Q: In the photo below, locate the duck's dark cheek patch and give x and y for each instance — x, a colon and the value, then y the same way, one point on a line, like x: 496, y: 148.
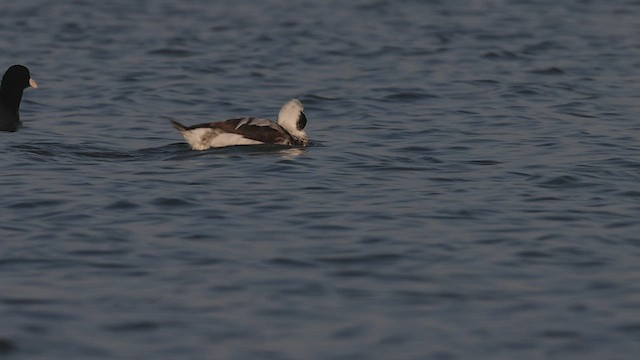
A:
x: 302, y: 121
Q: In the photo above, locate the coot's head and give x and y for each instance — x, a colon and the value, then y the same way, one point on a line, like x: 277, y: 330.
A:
x: 17, y: 77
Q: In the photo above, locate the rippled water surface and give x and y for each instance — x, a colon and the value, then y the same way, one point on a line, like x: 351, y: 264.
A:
x: 471, y: 190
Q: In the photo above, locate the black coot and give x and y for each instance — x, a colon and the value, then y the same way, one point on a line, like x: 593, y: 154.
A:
x: 14, y: 81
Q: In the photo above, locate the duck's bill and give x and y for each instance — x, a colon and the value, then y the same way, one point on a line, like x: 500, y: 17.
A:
x: 33, y: 83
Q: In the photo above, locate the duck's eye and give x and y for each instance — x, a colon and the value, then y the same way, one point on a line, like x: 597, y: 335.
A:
x: 302, y: 121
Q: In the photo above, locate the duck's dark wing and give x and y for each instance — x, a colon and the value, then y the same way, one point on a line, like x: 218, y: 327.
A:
x: 258, y: 129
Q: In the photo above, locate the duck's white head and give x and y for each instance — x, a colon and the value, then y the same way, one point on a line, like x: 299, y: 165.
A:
x: 292, y: 119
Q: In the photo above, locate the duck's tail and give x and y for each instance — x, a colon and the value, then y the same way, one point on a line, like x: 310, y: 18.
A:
x: 178, y: 126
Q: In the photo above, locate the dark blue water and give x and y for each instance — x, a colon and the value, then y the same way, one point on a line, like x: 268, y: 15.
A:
x: 472, y: 188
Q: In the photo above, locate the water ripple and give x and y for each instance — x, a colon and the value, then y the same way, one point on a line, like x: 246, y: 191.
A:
x: 7, y: 346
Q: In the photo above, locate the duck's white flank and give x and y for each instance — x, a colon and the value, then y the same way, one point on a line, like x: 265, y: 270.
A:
x: 205, y: 138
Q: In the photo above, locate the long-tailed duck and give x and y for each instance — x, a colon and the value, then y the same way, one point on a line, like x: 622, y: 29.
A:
x: 250, y: 130
x: 14, y: 81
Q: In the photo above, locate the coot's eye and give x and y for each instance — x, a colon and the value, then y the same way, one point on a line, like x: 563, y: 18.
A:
x: 302, y: 121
